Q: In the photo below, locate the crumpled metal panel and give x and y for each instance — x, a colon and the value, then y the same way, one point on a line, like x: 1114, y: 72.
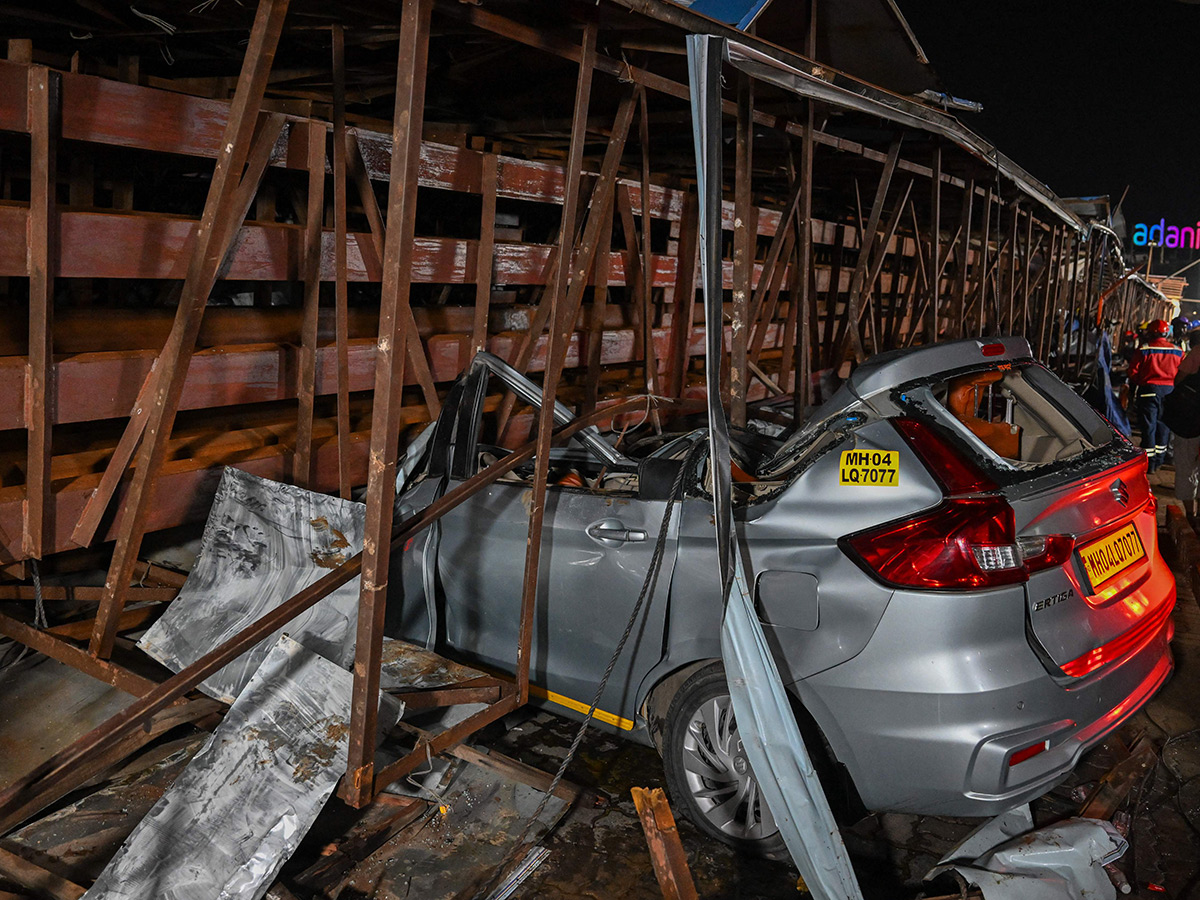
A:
x: 263, y: 542
x: 245, y: 801
x: 1061, y: 861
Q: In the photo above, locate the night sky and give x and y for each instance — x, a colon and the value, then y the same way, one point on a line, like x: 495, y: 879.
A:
x: 1087, y: 95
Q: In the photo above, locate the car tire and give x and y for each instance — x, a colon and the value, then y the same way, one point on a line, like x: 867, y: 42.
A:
x: 708, y: 776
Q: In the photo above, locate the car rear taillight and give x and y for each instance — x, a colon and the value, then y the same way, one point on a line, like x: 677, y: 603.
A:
x: 1045, y: 551
x: 968, y: 542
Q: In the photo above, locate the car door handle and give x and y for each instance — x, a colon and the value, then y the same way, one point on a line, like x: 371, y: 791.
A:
x: 613, y: 532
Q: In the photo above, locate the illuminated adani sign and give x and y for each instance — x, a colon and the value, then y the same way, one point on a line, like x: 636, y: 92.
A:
x: 1164, y: 235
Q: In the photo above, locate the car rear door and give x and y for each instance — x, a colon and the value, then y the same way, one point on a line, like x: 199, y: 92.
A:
x: 596, y: 549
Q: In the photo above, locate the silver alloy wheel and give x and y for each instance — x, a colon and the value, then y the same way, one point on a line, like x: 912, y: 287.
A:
x: 718, y: 773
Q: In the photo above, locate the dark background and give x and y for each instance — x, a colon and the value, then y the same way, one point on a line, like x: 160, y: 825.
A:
x: 1087, y: 95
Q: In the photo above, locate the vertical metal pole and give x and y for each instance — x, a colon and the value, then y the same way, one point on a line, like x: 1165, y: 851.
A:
x: 341, y: 312
x: 935, y: 240
x: 44, y: 117
x: 307, y: 370
x: 684, y: 300
x: 485, y: 252
x: 964, y: 259
x: 650, y: 359
x: 560, y: 328
x: 395, y: 334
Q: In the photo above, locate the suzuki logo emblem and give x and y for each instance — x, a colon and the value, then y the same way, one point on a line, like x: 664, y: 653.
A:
x: 1120, y: 492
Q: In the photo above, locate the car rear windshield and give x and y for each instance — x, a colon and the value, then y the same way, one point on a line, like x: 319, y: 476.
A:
x: 1019, y: 416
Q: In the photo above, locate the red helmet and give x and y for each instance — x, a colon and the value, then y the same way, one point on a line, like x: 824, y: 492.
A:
x: 1159, y: 328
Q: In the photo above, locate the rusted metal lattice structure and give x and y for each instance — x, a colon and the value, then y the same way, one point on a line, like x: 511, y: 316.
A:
x: 283, y: 271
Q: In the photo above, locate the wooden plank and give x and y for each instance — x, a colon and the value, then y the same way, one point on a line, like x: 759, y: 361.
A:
x: 396, y: 334
x: 307, y: 370
x: 44, y: 106
x: 341, y: 287
x: 215, y: 227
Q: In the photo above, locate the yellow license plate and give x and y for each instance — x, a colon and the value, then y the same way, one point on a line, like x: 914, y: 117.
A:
x: 869, y: 468
x: 1112, y: 555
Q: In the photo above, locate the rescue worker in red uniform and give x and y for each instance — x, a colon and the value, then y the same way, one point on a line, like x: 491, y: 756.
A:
x: 1151, y: 377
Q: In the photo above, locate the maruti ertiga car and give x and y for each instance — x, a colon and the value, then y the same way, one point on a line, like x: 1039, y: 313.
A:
x: 954, y: 560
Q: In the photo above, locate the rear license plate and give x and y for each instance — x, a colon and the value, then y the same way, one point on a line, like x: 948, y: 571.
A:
x: 1110, y: 556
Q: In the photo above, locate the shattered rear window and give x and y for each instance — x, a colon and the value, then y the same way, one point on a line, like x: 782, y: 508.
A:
x: 1020, y: 416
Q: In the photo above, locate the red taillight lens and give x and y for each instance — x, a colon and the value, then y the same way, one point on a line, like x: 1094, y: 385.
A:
x: 956, y: 474
x: 992, y: 349
x: 967, y: 542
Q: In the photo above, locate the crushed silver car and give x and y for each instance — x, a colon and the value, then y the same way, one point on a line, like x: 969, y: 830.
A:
x: 955, y: 561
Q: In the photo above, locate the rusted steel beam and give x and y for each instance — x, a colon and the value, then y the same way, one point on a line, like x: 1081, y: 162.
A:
x: 567, y: 276
x: 187, y: 712
x: 935, y: 258
x: 683, y: 301
x: 964, y: 256
x: 984, y: 269
x: 597, y: 230
x: 85, y: 529
x: 666, y: 850
x: 875, y: 266
x: 517, y: 771
x: 745, y: 232
x: 449, y: 696
x: 596, y: 321
x: 416, y: 358
x: 307, y: 370
x: 851, y: 328
x: 762, y: 315
x: 443, y: 741
x: 44, y: 110
x: 65, y: 652
x: 396, y: 334
x: 215, y: 229
x: 43, y: 882
x: 82, y: 594
x: 485, y: 253
x: 649, y: 360
x: 340, y: 279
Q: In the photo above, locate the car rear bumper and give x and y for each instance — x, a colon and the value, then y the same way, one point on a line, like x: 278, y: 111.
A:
x: 919, y: 736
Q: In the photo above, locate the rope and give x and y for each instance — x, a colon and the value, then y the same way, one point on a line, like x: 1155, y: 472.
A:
x: 39, y: 614
x: 647, y: 587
